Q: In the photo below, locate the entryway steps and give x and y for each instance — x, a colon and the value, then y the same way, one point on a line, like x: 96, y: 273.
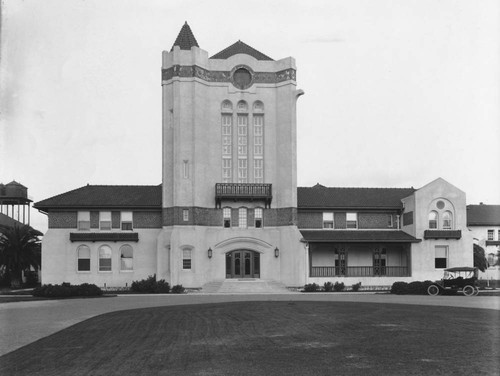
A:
x: 245, y: 286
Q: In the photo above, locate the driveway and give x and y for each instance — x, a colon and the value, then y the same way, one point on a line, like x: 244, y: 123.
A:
x: 24, y: 322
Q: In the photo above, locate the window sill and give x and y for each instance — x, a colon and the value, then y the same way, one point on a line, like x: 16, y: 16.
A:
x: 126, y: 271
x: 105, y: 271
x: 84, y: 272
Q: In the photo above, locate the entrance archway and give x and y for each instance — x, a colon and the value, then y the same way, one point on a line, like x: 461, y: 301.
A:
x: 242, y: 263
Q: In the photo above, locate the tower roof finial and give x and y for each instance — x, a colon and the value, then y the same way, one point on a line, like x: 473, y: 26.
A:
x: 185, y: 40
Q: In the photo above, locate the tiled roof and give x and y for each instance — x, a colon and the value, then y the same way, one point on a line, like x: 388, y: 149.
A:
x: 106, y: 196
x: 483, y: 215
x: 368, y: 198
x: 185, y: 40
x: 358, y: 236
x: 240, y: 48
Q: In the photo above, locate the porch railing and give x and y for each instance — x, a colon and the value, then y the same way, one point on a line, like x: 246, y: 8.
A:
x: 359, y: 271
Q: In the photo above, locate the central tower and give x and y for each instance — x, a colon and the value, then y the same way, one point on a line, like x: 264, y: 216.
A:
x: 229, y: 166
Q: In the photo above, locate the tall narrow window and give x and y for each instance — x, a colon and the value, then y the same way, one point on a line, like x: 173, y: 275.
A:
x: 226, y: 214
x: 258, y: 217
x: 242, y: 218
x: 379, y: 261
x: 186, y: 259
x: 126, y: 219
x: 441, y: 257
x: 105, y: 258
x: 127, y: 257
x: 185, y: 169
x: 105, y: 220
x: 433, y: 220
x: 327, y: 220
x: 242, y: 148
x: 227, y: 150
x: 447, y: 220
x: 258, y: 148
x: 83, y: 220
x: 340, y: 261
x: 351, y: 220
x: 83, y: 258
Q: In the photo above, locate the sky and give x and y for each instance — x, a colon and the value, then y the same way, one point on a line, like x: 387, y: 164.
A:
x: 397, y: 93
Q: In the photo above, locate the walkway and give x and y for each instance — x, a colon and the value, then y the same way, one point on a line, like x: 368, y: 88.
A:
x: 24, y: 322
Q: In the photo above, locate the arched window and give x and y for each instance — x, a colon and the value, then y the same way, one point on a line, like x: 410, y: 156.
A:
x: 433, y: 220
x: 258, y: 106
x: 127, y: 257
x: 227, y: 106
x: 447, y: 220
x: 242, y: 106
x: 105, y: 258
x: 83, y: 253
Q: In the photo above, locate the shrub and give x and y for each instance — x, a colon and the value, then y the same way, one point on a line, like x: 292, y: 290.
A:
x: 337, y: 287
x: 356, y: 287
x: 418, y: 287
x: 31, y: 278
x: 328, y: 286
x: 399, y: 288
x: 311, y: 287
x: 150, y: 285
x: 178, y: 289
x: 65, y: 290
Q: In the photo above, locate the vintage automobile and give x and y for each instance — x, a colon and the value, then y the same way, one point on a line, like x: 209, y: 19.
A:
x: 455, y: 279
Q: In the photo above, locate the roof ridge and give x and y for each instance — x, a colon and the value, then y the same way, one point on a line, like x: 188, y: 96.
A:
x: 240, y: 47
x: 322, y: 186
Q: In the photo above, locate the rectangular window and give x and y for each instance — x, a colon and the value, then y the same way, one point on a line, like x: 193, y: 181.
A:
x: 227, y: 166
x: 389, y: 221
x: 242, y: 218
x: 258, y: 170
x: 498, y: 235
x: 126, y: 219
x: 83, y: 258
x: 327, y: 220
x: 186, y: 259
x: 83, y: 220
x: 185, y: 169
x: 105, y: 220
x: 441, y: 257
x: 226, y: 213
x: 242, y: 170
x: 490, y: 234
x: 185, y: 215
x: 352, y: 220
x: 258, y: 217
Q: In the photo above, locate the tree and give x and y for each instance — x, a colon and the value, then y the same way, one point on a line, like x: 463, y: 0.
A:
x: 20, y: 250
x: 480, y: 260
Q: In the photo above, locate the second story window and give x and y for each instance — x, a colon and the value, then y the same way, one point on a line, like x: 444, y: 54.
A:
x: 491, y: 234
x: 327, y: 220
x: 185, y: 215
x: 126, y: 221
x: 433, y: 220
x: 226, y: 214
x: 105, y: 220
x: 258, y: 217
x: 352, y: 220
x: 83, y: 220
x: 447, y: 220
x: 242, y: 218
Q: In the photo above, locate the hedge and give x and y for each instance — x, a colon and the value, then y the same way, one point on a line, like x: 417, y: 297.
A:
x: 66, y: 290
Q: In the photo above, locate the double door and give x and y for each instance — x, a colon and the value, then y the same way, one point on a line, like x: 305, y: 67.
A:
x: 242, y: 264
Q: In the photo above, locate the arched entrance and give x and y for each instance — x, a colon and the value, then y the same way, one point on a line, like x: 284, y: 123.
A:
x: 242, y: 263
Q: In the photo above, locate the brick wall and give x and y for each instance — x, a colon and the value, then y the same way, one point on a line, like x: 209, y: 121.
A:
x: 94, y: 219
x: 374, y: 220
x: 115, y: 219
x: 339, y: 220
x: 146, y: 219
x: 63, y: 219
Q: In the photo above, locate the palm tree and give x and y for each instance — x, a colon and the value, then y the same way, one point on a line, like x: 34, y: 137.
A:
x: 20, y: 250
x: 480, y: 260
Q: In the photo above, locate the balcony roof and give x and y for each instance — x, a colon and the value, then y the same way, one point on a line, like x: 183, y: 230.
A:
x: 358, y: 236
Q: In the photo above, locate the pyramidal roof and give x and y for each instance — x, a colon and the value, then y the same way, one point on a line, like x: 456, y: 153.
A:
x: 185, y: 40
x: 240, y: 48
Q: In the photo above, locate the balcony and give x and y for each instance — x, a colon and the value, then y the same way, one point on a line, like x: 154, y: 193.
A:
x: 104, y: 237
x: 359, y: 271
x: 243, y: 192
x: 442, y: 234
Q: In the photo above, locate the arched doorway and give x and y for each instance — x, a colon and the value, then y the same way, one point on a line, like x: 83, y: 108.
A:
x: 242, y: 263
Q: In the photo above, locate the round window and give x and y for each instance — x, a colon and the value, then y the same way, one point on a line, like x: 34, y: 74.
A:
x: 242, y: 78
x: 440, y: 204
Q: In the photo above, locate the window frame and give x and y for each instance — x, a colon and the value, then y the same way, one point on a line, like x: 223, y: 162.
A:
x: 439, y: 259
x: 187, y: 259
x: 327, y: 221
x: 80, y: 218
x: 100, y: 266
x: 433, y: 221
x: 490, y: 235
x: 122, y: 269
x: 103, y: 219
x: 447, y: 220
x: 355, y: 221
x: 78, y: 258
x: 242, y: 217
x: 124, y: 220
x: 258, y: 217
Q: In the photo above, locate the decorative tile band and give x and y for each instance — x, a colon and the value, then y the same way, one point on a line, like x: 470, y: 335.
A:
x: 226, y: 76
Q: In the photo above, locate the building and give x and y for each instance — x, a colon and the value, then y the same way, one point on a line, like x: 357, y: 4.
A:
x: 229, y: 206
x: 484, y: 223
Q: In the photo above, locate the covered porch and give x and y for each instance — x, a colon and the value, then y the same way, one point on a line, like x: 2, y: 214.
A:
x: 358, y: 254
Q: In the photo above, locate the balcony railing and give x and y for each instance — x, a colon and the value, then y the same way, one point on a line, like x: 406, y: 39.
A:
x: 359, y: 271
x: 243, y: 191
x: 442, y: 234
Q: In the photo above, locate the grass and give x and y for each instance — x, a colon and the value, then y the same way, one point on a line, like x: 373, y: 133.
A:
x: 270, y: 338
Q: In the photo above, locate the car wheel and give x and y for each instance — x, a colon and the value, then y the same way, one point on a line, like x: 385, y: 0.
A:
x: 433, y: 290
x: 468, y: 290
x: 476, y: 291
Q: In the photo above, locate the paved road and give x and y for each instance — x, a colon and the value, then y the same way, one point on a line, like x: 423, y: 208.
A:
x: 24, y: 322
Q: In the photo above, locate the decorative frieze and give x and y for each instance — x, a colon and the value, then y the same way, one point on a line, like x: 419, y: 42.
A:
x: 226, y: 76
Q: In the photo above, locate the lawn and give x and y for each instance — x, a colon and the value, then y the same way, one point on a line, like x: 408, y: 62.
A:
x: 270, y: 338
